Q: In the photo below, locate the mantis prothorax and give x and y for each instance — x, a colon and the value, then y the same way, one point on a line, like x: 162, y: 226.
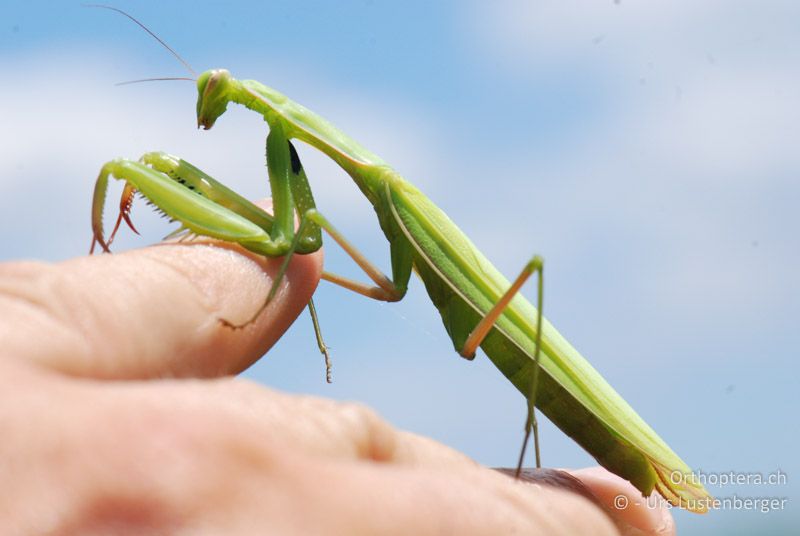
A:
x: 478, y: 306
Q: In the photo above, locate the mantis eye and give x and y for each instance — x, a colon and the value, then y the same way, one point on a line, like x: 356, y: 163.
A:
x: 211, y: 96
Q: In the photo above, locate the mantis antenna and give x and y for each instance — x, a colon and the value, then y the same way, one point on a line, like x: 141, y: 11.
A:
x: 128, y: 82
x: 157, y: 38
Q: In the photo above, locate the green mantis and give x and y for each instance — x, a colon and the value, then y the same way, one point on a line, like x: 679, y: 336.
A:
x: 478, y: 306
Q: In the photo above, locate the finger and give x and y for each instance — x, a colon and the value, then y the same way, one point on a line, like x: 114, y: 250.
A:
x: 345, y: 462
x: 355, y: 474
x: 209, y: 457
x: 367, y: 498
x: 320, y: 427
x: 152, y: 312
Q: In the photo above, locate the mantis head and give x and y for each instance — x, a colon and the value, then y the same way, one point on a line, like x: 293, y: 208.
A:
x: 213, y: 94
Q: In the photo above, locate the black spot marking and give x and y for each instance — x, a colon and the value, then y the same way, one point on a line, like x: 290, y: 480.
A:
x: 296, y: 165
x: 180, y: 180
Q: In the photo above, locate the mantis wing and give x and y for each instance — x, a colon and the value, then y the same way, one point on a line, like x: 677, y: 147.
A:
x: 464, y: 285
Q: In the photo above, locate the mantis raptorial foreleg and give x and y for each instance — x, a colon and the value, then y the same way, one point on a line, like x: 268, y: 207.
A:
x: 206, y: 207
x: 125, y: 203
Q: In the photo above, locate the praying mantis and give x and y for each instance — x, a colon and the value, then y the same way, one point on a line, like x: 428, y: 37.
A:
x: 478, y: 306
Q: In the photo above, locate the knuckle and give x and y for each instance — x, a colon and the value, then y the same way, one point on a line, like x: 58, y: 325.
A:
x: 372, y: 437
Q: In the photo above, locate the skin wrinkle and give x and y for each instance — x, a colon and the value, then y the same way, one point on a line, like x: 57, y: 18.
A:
x: 356, y: 431
x: 35, y: 303
x: 47, y: 313
x: 61, y: 308
x: 29, y: 306
x: 213, y: 310
x: 204, y: 302
x: 57, y: 317
x: 125, y: 278
x: 97, y: 314
x: 182, y: 274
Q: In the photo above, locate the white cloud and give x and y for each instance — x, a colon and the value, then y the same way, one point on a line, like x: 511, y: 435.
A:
x: 693, y: 153
x: 676, y: 33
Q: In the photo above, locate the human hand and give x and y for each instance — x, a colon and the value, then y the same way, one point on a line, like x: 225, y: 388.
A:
x: 120, y: 416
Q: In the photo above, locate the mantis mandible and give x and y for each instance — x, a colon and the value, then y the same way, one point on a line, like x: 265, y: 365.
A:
x: 478, y: 306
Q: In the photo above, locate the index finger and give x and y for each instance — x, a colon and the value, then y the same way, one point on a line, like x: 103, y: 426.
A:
x: 153, y: 312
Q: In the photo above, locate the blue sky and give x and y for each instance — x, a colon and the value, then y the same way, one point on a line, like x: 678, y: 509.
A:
x: 646, y: 150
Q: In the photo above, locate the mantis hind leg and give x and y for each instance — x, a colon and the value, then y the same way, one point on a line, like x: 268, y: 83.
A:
x: 479, y: 333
